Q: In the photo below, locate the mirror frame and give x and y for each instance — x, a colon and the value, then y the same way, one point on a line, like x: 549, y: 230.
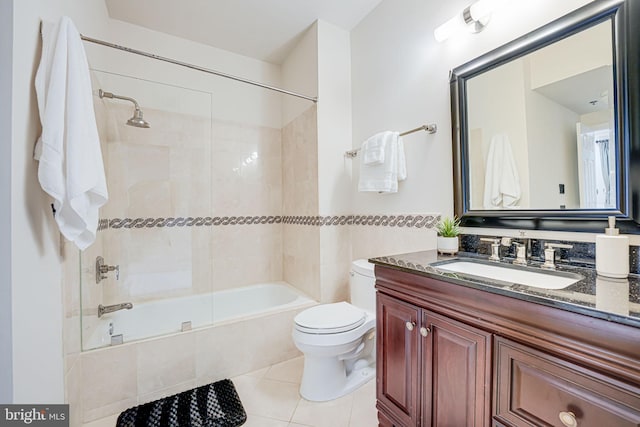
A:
x: 626, y: 66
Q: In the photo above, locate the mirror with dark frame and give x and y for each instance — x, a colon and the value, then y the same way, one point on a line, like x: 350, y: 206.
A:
x: 546, y: 127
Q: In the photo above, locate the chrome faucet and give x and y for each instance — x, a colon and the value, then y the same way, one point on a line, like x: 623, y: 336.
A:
x: 102, y: 269
x: 550, y: 254
x: 104, y: 309
x: 495, y: 247
x: 522, y: 248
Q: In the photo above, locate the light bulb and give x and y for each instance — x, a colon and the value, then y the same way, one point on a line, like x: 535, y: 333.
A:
x: 477, y: 16
x: 452, y: 26
x: 483, y: 8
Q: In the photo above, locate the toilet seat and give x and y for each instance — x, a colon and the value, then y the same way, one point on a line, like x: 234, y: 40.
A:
x: 330, y: 319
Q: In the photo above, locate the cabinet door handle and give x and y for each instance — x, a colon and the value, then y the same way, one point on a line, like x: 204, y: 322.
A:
x: 410, y: 325
x: 424, y: 331
x: 568, y: 419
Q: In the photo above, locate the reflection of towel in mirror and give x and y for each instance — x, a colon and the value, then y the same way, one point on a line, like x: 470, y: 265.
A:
x: 383, y: 177
x: 501, y: 183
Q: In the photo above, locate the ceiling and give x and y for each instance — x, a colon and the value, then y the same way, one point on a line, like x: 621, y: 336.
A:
x: 261, y: 29
x: 582, y: 93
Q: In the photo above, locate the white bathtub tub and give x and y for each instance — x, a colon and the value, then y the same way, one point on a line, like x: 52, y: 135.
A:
x: 164, y: 317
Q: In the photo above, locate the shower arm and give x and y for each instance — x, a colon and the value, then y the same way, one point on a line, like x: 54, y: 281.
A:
x: 110, y: 95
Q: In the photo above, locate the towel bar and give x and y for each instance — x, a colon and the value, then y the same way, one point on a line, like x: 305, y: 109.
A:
x: 432, y: 128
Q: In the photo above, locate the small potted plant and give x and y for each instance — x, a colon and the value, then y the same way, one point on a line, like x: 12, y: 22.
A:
x: 448, y: 230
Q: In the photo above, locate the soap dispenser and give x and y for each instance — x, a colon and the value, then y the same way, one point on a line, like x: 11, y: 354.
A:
x: 612, y: 252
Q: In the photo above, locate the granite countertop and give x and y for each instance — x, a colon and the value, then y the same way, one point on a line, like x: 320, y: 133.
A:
x: 615, y: 300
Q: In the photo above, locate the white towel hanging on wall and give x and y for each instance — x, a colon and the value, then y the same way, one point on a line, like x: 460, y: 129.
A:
x: 70, y: 167
x: 383, y: 177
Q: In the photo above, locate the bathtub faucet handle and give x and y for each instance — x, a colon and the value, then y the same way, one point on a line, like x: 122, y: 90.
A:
x: 102, y: 269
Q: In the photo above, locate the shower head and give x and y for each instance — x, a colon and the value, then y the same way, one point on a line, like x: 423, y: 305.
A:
x: 137, y: 120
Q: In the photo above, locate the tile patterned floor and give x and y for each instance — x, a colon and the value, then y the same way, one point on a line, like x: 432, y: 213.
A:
x: 270, y: 398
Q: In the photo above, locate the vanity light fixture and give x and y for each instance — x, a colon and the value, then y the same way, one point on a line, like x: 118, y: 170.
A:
x: 473, y: 19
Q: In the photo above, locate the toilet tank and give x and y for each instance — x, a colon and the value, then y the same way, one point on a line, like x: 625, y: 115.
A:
x: 362, y: 285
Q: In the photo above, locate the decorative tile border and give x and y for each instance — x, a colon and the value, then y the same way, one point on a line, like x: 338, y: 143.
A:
x: 408, y: 221
x: 192, y: 221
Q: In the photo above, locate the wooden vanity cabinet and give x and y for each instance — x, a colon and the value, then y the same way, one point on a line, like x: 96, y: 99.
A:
x: 454, y: 356
x: 398, y: 352
x: 432, y: 371
x: 534, y: 388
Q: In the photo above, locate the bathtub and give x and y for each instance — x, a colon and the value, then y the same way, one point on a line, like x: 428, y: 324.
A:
x: 168, y: 316
x: 234, y: 332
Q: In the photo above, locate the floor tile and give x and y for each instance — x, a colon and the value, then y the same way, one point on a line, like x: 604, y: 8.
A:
x: 271, y: 398
x: 364, y: 411
x: 267, y: 398
x: 289, y: 371
x: 257, y: 421
x: 109, y: 421
x: 334, y: 413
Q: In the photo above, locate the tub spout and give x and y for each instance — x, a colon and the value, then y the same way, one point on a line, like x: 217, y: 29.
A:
x: 104, y: 309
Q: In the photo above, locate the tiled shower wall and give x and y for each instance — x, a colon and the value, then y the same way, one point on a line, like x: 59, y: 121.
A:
x: 189, y: 167
x: 301, y: 243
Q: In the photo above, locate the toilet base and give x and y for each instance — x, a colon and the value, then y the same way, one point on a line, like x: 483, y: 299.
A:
x: 326, y: 379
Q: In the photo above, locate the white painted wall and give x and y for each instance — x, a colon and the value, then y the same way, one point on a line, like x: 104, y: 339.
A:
x: 400, y: 79
x: 6, y: 73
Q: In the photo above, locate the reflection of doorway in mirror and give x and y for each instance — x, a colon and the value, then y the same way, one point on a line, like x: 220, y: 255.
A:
x: 595, y: 169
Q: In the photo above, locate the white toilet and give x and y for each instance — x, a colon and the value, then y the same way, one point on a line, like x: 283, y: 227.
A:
x: 338, y: 340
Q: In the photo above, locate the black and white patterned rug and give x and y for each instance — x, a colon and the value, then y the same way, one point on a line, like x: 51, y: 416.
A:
x: 213, y: 405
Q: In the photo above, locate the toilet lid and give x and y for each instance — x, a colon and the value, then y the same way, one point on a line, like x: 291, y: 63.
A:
x: 330, y: 318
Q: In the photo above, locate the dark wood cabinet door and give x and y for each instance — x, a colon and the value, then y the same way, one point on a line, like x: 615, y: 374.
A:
x: 397, y: 356
x: 533, y: 388
x: 384, y: 420
x: 457, y: 373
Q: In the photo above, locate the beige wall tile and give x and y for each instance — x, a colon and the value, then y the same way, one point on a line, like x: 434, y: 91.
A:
x: 248, y: 345
x: 202, y: 253
x: 300, y: 165
x: 165, y: 362
x: 246, y: 254
x: 155, y: 263
x: 73, y: 389
x: 247, y: 170
x: 165, y: 392
x: 109, y: 381
x: 302, y: 258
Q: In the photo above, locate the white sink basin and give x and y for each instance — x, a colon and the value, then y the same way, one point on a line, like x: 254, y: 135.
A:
x: 542, y: 279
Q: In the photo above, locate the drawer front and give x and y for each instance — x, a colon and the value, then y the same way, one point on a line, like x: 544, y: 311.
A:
x: 532, y: 388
